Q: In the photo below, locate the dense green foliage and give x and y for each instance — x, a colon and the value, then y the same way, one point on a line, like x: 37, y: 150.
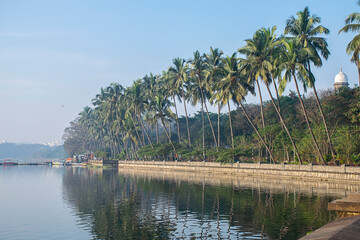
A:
x: 141, y: 122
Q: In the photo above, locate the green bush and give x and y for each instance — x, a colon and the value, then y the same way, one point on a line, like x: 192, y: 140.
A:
x: 102, y: 153
x: 356, y: 158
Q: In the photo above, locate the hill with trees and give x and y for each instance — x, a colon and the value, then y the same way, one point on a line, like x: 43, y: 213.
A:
x: 22, y: 151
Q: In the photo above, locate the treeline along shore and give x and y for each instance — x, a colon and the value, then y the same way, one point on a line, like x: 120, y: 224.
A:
x: 141, y: 121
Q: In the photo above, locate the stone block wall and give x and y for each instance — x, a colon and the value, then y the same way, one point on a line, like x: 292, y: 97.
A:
x: 334, y: 173
x: 338, y: 173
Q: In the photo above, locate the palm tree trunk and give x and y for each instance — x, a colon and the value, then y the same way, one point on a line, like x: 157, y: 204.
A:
x: 169, y: 125
x: 187, y: 120
x: 177, y: 118
x: 278, y: 105
x: 112, y: 151
x: 323, y: 117
x: 325, y: 124
x: 231, y: 130
x: 358, y: 68
x: 157, y: 132
x: 118, y: 144
x: 211, y: 126
x: 126, y: 149
x: 137, y: 134
x: 203, y: 128
x: 162, y: 121
x: 261, y: 107
x: 307, y: 120
x: 283, y: 123
x: 261, y: 104
x: 219, y: 124
x: 203, y: 101
x: 134, y: 151
x: 257, y: 132
x: 142, y: 124
x: 277, y: 95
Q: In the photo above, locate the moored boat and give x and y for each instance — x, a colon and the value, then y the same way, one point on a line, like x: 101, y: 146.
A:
x: 7, y: 162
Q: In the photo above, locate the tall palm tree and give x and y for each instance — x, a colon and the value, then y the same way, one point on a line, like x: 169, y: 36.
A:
x: 198, y: 71
x: 181, y: 73
x: 167, y: 87
x: 104, y: 105
x: 226, y: 87
x: 195, y: 95
x: 353, y: 24
x: 305, y: 28
x: 213, y: 63
x: 139, y: 105
x: 130, y: 112
x: 292, y: 63
x: 161, y: 107
x: 261, y: 53
x: 234, y: 86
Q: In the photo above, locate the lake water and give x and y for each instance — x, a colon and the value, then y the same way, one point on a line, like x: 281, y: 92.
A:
x: 43, y: 202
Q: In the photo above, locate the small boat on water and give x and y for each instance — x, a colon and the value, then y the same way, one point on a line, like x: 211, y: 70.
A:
x: 8, y: 162
x: 56, y: 163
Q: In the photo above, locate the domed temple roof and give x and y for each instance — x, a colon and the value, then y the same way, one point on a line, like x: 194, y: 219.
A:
x: 341, y: 77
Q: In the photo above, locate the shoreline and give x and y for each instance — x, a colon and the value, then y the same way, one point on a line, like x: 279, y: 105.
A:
x: 338, y: 174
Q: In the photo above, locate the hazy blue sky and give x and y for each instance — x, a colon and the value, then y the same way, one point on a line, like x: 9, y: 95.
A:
x: 55, y: 53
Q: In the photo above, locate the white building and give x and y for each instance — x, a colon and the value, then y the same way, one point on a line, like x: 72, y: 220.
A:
x: 341, y: 80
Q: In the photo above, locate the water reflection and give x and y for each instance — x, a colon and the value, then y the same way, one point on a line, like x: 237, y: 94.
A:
x: 133, y: 204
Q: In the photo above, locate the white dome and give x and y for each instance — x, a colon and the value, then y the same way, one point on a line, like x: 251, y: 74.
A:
x: 341, y: 77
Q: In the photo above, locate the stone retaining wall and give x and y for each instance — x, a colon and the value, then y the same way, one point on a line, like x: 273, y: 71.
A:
x: 96, y: 162
x: 338, y: 173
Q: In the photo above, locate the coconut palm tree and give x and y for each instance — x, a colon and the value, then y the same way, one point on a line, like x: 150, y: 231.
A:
x: 255, y: 47
x: 352, y: 23
x: 305, y: 28
x: 226, y: 87
x: 105, y: 107
x: 235, y: 86
x: 180, y: 71
x: 292, y: 62
x: 130, y: 113
x: 195, y: 95
x: 261, y: 53
x: 198, y: 71
x: 161, y: 108
x: 213, y: 63
x: 167, y: 87
x: 138, y: 104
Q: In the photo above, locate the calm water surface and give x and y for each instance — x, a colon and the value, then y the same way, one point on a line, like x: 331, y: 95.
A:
x: 42, y: 202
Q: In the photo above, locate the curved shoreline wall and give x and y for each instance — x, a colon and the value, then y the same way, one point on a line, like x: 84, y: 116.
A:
x: 341, y: 173
x: 325, y: 180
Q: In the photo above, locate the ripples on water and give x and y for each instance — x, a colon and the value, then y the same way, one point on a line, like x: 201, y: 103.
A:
x: 41, y: 202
